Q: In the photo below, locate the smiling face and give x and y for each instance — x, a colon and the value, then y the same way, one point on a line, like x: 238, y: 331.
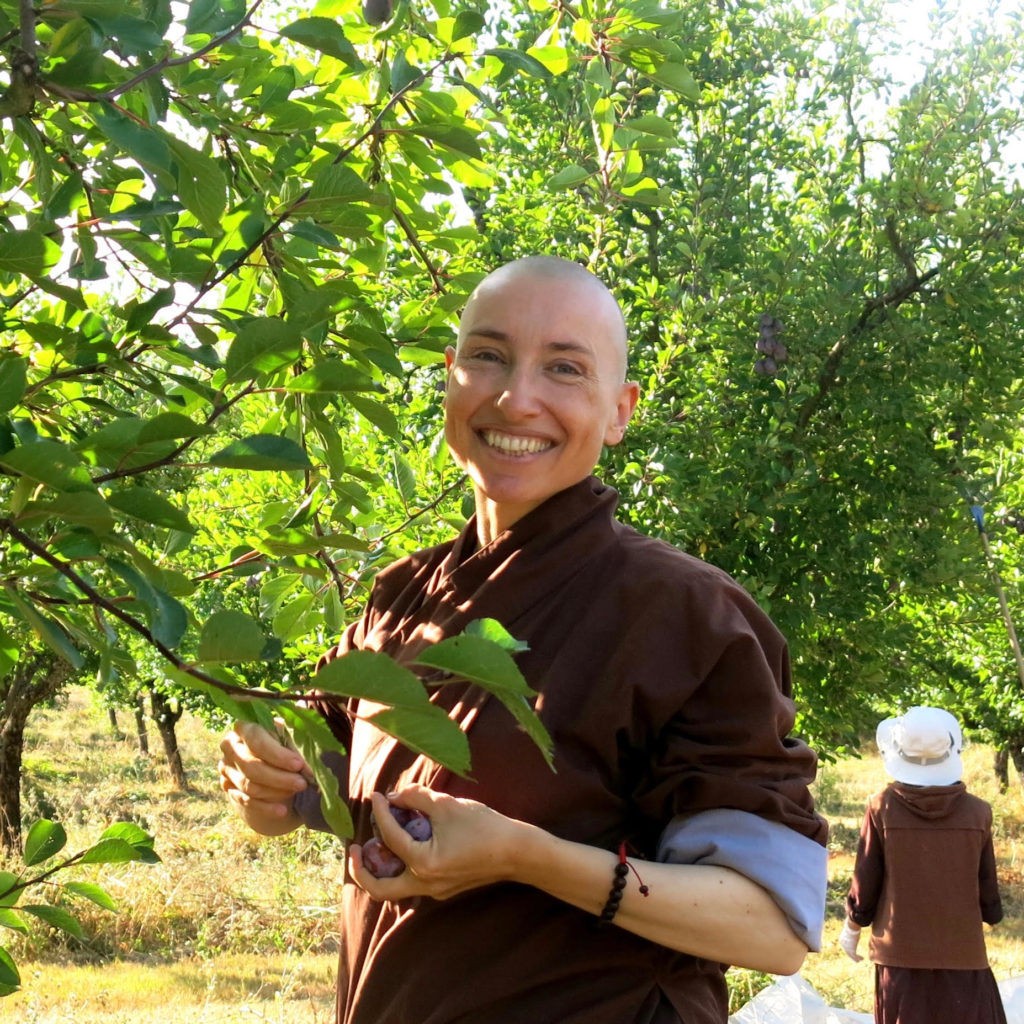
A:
x: 535, y: 387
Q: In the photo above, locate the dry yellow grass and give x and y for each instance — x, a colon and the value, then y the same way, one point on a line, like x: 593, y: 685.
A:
x: 233, y: 929
x: 227, y: 928
x: 227, y: 989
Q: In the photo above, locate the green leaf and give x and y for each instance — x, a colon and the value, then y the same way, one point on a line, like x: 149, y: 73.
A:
x: 428, y: 731
x: 282, y: 541
x: 72, y: 296
x: 262, y: 346
x: 652, y: 124
x: 91, y: 892
x: 404, y: 477
x: 13, y: 920
x: 10, y: 979
x: 371, y: 676
x: 555, y: 58
x: 241, y: 709
x: 455, y: 137
x: 120, y: 846
x: 150, y: 507
x: 677, y: 78
x: 172, y: 426
x: 56, y: 917
x: 94, y: 8
x: 148, y: 145
x: 325, y: 35
x: 231, y: 636
x: 29, y: 253
x: 294, y: 619
x: 129, y: 832
x: 496, y: 633
x: 50, y: 463
x: 277, y: 86
x: 262, y: 452
x: 477, y: 659
x: 200, y: 185
x: 13, y: 378
x: 89, y: 510
x: 44, y: 839
x: 331, y: 377
x: 49, y: 632
x: 471, y: 656
x: 10, y: 891
x: 519, y: 61
x: 569, y: 176
x: 336, y: 183
x: 167, y: 618
x: 140, y: 314
x: 379, y: 415
x: 467, y: 23
x: 311, y: 737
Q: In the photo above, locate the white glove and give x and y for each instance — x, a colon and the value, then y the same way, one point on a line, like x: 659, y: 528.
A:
x: 848, y: 939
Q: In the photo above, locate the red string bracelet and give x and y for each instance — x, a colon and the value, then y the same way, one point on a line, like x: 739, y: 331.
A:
x: 622, y: 869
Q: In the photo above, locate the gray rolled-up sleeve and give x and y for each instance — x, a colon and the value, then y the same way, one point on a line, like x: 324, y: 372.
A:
x: 790, y: 867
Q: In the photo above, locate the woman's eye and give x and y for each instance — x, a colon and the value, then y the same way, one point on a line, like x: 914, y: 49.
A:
x: 568, y: 369
x: 485, y: 355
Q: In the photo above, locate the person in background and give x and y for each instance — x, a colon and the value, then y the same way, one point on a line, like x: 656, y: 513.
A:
x: 925, y: 880
x: 665, y: 689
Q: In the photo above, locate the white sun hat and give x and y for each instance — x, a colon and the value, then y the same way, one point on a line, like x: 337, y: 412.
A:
x: 922, y: 747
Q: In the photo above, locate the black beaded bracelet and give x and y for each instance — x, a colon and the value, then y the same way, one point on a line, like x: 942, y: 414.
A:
x: 622, y: 869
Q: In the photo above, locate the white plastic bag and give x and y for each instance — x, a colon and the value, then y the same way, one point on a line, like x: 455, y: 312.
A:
x: 793, y: 1001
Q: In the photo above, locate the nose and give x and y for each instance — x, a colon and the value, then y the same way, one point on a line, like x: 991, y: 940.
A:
x: 518, y: 397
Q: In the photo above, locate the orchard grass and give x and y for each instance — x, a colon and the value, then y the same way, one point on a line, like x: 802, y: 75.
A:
x: 230, y: 928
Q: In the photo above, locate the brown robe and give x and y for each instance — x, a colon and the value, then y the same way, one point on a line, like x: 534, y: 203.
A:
x: 925, y: 880
x: 666, y: 691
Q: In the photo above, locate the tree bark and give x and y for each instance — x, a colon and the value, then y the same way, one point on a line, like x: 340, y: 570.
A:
x: 37, y: 677
x: 1016, y: 749
x: 140, y: 723
x: 166, y: 718
x: 114, y: 727
x: 1001, y: 767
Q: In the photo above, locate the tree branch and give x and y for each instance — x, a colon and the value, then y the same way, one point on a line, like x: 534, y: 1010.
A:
x: 875, y: 312
x: 108, y: 95
x: 410, y: 234
x: 119, y: 613
x: 244, y: 255
x: 219, y: 410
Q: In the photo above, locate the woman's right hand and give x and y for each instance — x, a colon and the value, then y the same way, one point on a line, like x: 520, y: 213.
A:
x: 261, y: 776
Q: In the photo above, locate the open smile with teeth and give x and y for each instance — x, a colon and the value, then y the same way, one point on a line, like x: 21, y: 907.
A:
x: 512, y: 445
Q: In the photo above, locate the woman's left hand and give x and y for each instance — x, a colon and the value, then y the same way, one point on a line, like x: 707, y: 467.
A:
x: 471, y: 846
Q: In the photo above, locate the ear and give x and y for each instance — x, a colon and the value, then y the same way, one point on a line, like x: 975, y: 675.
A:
x: 449, y: 357
x: 629, y: 393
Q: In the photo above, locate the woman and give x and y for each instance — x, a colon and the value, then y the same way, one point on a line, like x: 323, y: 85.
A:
x: 664, y: 687
x: 925, y: 880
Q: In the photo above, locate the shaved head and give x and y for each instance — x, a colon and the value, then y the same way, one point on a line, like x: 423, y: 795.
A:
x: 586, y: 286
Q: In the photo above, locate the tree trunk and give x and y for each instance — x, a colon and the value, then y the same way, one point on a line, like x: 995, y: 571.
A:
x: 140, y: 724
x: 114, y: 728
x: 1016, y: 746
x: 166, y: 719
x: 35, y: 678
x: 1001, y: 767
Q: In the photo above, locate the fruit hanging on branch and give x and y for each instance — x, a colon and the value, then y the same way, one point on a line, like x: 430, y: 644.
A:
x: 773, y: 350
x: 376, y: 12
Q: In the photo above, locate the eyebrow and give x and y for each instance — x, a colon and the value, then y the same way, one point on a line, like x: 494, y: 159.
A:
x: 558, y: 346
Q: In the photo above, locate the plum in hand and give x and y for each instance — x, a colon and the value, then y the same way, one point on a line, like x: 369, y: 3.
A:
x: 380, y: 860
